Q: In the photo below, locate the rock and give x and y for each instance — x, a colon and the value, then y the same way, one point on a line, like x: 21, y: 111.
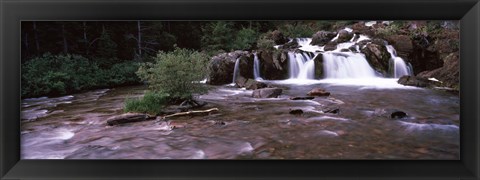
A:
x: 291, y: 45
x: 332, y: 111
x: 277, y: 37
x: 417, y: 81
x: 330, y: 46
x: 127, y: 118
x: 222, y: 66
x: 296, y: 112
x: 240, y: 82
x: 398, y: 115
x: 402, y: 44
x: 362, y: 29
x: 344, y: 36
x: 267, y: 93
x: 318, y: 92
x: 253, y: 84
x: 302, y: 98
x: 318, y: 66
x: 377, y: 56
x: 448, y: 74
x: 274, y: 65
x: 322, y: 37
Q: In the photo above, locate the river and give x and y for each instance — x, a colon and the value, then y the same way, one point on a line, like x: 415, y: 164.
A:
x: 74, y: 126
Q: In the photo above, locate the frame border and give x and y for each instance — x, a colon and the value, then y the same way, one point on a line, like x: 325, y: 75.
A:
x: 14, y: 11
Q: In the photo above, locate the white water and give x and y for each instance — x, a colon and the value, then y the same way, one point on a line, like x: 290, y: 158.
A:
x: 235, y: 71
x: 338, y: 65
x: 256, y: 67
x: 398, y: 65
x: 301, y: 66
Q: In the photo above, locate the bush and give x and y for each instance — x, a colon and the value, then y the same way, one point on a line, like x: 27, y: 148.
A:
x: 245, y: 39
x: 54, y: 75
x: 176, y: 73
x: 265, y: 43
x: 151, y: 103
x: 299, y: 30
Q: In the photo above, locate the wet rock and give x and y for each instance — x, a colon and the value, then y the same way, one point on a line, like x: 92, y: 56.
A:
x: 177, y: 124
x: 417, y: 81
x: 273, y: 64
x: 321, y: 38
x: 402, y: 43
x: 344, y: 36
x: 267, y: 93
x: 398, y: 115
x: 318, y: 92
x: 377, y: 56
x: 448, y: 74
x: 223, y: 65
x: 302, y: 98
x: 330, y: 46
x: 253, y: 84
x: 191, y: 104
x: 291, y: 45
x: 296, y: 112
x: 127, y: 118
x: 318, y: 66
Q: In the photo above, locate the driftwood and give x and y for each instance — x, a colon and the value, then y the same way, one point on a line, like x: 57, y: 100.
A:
x: 193, y: 113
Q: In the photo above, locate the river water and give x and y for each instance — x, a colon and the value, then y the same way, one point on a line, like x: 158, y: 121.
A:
x: 74, y: 126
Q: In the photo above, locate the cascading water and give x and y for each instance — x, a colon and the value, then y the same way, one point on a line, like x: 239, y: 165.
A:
x: 398, y: 67
x: 301, y: 65
x: 235, y: 70
x: 256, y: 67
x: 338, y: 65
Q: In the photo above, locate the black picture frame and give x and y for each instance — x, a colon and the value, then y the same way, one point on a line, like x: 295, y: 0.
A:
x: 14, y: 11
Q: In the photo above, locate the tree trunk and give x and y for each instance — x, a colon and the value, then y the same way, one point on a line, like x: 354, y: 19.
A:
x: 85, y: 40
x: 64, y: 36
x: 35, y: 34
x: 139, y: 40
x: 26, y: 43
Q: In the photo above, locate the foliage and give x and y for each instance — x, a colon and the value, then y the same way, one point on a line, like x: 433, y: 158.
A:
x: 217, y: 35
x: 151, y: 103
x: 297, y: 30
x: 388, y: 30
x: 245, y: 39
x: 55, y: 75
x: 265, y: 43
x: 176, y: 73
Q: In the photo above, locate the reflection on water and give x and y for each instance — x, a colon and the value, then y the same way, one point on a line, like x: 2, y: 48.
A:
x: 74, y: 126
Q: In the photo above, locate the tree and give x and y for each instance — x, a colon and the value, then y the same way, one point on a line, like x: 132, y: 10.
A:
x: 218, y: 35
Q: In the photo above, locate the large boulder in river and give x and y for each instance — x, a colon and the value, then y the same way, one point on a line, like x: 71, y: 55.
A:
x: 318, y: 92
x: 402, y: 44
x: 330, y: 46
x: 273, y: 64
x: 417, y: 81
x: 222, y: 67
x: 448, y: 74
x: 377, y: 56
x: 318, y: 66
x: 322, y: 37
x: 267, y: 93
x: 344, y: 36
x: 249, y: 84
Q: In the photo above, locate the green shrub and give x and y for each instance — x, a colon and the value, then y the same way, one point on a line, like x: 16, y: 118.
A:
x: 176, y: 73
x: 298, y: 30
x: 151, y: 103
x: 265, y: 44
x: 245, y: 39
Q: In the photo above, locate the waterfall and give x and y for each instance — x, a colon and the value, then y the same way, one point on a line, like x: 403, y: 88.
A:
x: 235, y: 71
x: 301, y: 65
x: 398, y: 67
x: 346, y: 65
x: 256, y: 67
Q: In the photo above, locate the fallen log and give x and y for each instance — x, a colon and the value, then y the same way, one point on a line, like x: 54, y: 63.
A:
x: 193, y: 113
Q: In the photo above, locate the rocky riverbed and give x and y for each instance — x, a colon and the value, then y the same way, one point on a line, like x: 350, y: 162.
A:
x: 352, y: 122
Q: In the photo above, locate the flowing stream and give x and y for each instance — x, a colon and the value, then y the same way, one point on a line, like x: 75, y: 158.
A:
x: 74, y: 126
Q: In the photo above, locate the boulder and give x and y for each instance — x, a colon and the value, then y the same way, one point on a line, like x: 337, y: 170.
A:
x: 402, y: 44
x: 377, y: 56
x: 318, y: 66
x: 291, y: 45
x: 318, y: 92
x: 398, y: 115
x: 277, y: 37
x: 330, y: 46
x: 296, y: 111
x: 127, y: 118
x: 321, y: 38
x: 267, y: 93
x: 273, y: 64
x: 448, y: 74
x: 251, y: 84
x: 222, y: 66
x: 417, y: 81
x: 362, y: 29
x: 344, y: 36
